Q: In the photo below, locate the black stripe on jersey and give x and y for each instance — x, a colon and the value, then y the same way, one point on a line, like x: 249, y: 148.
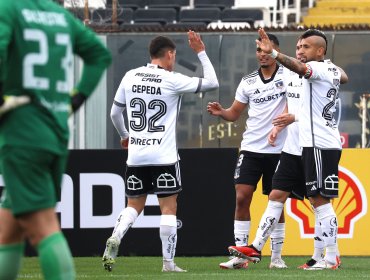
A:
x: 118, y: 104
x: 253, y: 74
x: 199, y: 86
x: 311, y: 118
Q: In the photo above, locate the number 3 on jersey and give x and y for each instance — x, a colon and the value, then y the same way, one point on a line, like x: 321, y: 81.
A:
x: 140, y: 121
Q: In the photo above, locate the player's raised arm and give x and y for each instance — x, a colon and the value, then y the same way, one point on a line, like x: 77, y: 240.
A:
x: 210, y: 81
x: 289, y: 62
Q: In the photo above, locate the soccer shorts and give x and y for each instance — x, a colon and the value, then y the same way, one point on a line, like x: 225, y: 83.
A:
x: 289, y: 176
x: 321, y: 171
x: 32, y: 179
x: 252, y: 166
x: 160, y: 180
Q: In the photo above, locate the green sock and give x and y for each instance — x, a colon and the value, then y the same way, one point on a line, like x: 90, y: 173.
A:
x: 10, y: 260
x: 55, y: 258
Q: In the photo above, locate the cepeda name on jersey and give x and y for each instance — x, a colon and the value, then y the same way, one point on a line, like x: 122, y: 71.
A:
x: 145, y: 142
x: 146, y: 89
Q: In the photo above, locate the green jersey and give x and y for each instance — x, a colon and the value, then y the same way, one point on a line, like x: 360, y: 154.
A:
x: 38, y: 40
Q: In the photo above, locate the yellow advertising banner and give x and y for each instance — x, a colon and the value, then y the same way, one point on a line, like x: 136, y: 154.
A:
x: 351, y: 208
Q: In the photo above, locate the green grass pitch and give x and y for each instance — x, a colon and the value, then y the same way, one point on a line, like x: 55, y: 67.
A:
x: 204, y: 268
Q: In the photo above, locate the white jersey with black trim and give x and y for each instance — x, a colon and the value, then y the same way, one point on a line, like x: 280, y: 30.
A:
x: 293, y: 95
x: 266, y: 99
x: 152, y: 96
x: 318, y: 127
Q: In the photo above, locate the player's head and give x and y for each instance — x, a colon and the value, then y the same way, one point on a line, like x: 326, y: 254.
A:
x: 314, y: 44
x: 298, y: 53
x: 264, y: 59
x: 163, y: 51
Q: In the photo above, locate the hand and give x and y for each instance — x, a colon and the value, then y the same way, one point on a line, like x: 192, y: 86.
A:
x: 271, y: 138
x: 214, y: 108
x: 124, y: 143
x: 265, y: 43
x: 195, y: 42
x: 283, y: 120
x: 11, y: 102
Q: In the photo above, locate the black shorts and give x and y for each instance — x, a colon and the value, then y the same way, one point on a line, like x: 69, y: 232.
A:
x: 160, y: 180
x: 252, y: 166
x: 321, y: 171
x: 289, y: 176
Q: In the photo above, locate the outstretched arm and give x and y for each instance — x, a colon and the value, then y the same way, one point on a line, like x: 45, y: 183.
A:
x: 230, y: 114
x: 210, y: 81
x: 289, y: 62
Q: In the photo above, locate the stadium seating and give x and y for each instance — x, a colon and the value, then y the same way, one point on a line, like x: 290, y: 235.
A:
x: 161, y: 15
x: 133, y: 4
x: 338, y: 12
x: 205, y: 15
x: 177, y: 4
x: 268, y: 7
x: 124, y: 15
x: 221, y: 4
x: 168, y: 12
x: 241, y: 15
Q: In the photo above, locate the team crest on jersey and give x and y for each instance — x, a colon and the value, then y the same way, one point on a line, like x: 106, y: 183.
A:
x: 279, y: 84
x: 251, y: 81
x: 350, y: 206
x: 336, y: 82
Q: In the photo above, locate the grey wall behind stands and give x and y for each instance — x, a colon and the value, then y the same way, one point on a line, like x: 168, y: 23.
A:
x: 233, y: 56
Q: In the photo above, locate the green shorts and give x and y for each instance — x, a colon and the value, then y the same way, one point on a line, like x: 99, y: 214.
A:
x: 32, y: 179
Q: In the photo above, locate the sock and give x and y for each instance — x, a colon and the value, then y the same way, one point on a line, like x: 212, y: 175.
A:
x: 338, y: 253
x: 168, y: 235
x: 125, y: 220
x: 55, y: 258
x: 277, y: 240
x: 329, y: 228
x: 10, y: 260
x: 241, y: 232
x: 318, y: 242
x: 269, y: 219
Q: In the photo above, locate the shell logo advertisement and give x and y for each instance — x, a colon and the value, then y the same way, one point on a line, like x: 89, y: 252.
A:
x: 351, y: 208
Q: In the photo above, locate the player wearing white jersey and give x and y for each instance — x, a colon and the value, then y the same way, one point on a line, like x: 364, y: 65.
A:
x: 320, y: 157
x: 152, y: 95
x: 263, y: 92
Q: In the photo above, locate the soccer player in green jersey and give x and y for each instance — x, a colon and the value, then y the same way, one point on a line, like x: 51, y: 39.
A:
x: 38, y: 39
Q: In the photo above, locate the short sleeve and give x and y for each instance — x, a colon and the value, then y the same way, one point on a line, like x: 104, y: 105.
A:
x: 242, y: 94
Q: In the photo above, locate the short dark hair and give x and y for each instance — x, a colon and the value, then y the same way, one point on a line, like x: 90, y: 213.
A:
x: 159, y: 45
x: 272, y: 38
x: 315, y: 32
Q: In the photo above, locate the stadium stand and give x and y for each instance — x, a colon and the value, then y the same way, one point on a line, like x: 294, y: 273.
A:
x: 221, y: 4
x: 338, y: 12
x: 205, y: 15
x: 268, y: 7
x: 133, y: 4
x: 124, y: 15
x: 176, y: 4
x: 241, y: 15
x: 161, y: 15
x: 274, y: 12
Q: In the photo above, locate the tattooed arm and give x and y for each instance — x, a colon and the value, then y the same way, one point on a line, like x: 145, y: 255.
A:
x: 289, y: 62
